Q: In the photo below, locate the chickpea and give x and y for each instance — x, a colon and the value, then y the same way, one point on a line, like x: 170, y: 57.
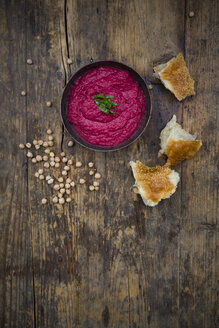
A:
x: 21, y: 146
x: 97, y: 175
x: 70, y: 143
x: 78, y: 164
x: 49, y: 131
x: 29, y: 154
x: 48, y: 103
x: 29, y: 61
x: 39, y: 158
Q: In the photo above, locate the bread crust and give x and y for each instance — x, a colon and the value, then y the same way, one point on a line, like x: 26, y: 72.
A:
x: 176, y: 75
x: 178, y: 150
x: 154, y: 181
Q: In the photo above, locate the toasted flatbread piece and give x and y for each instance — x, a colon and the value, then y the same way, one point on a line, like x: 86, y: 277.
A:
x: 177, y: 144
x: 154, y: 183
x: 175, y: 77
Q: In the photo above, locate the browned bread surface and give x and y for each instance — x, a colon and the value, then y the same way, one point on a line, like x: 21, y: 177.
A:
x: 178, y: 150
x: 176, y: 76
x: 154, y: 181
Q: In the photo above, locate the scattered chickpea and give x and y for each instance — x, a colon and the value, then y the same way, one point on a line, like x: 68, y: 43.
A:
x: 21, y: 146
x: 91, y: 172
x: 64, y: 172
x: 49, y: 131
x: 59, y: 195
x: 45, y: 144
x: 37, y: 147
x: 29, y: 154
x: 62, y: 154
x: 50, y: 138
x: 44, y: 201
x: 191, y: 14
x: 35, y: 142
x: 96, y: 188
x: 68, y: 180
x: 64, y: 160
x: 41, y: 177
x: 51, y: 154
x: 70, y: 162
x: 61, y: 200
x: 57, y: 165
x: 48, y: 103
x: 47, y: 151
x: 23, y: 93
x: 52, y: 163
x: 69, y: 61
x: 29, y: 61
x: 97, y: 175
x: 150, y: 86
x: 70, y: 143
x: 60, y: 179
x: 90, y: 164
x: 40, y: 171
x: 40, y: 142
x: 68, y: 192
x: 96, y: 184
x: 37, y: 175
x: 28, y: 145
x: 82, y: 181
x: 67, y: 186
x: 57, y: 159
x: 46, y: 165
x: 61, y: 185
x: 39, y: 158
x: 62, y: 190
x: 55, y: 199
x: 91, y: 188
x: 50, y: 181
x: 66, y: 168
x: 72, y: 184
x: 56, y: 187
x: 34, y: 160
x: 68, y: 199
x: 78, y: 164
x: 50, y: 143
x: 48, y: 177
x: 45, y: 158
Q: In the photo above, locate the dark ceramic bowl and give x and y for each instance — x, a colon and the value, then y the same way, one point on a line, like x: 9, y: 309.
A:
x: 64, y: 105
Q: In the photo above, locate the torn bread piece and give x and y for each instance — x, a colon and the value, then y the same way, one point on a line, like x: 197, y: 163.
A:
x: 175, y: 76
x: 154, y: 183
x: 177, y: 144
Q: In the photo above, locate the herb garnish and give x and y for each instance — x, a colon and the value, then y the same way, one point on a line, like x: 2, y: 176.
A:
x: 104, y: 103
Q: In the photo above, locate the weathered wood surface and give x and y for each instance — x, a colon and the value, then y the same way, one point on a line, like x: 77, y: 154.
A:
x: 106, y: 260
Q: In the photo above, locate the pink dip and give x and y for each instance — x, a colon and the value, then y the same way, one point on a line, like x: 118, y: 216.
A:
x: 90, y: 122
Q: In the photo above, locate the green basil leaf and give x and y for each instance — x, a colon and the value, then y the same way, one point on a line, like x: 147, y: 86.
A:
x: 104, y: 103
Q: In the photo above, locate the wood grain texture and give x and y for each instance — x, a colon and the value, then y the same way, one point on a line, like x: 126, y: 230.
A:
x: 17, y: 295
x: 200, y: 175
x: 106, y: 260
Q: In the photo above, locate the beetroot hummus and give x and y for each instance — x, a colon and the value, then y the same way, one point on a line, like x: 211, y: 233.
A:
x: 94, y: 125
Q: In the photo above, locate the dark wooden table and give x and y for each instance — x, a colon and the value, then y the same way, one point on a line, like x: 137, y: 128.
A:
x: 106, y: 260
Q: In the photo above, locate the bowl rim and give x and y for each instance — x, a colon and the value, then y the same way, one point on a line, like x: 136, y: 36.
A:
x: 64, y: 103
